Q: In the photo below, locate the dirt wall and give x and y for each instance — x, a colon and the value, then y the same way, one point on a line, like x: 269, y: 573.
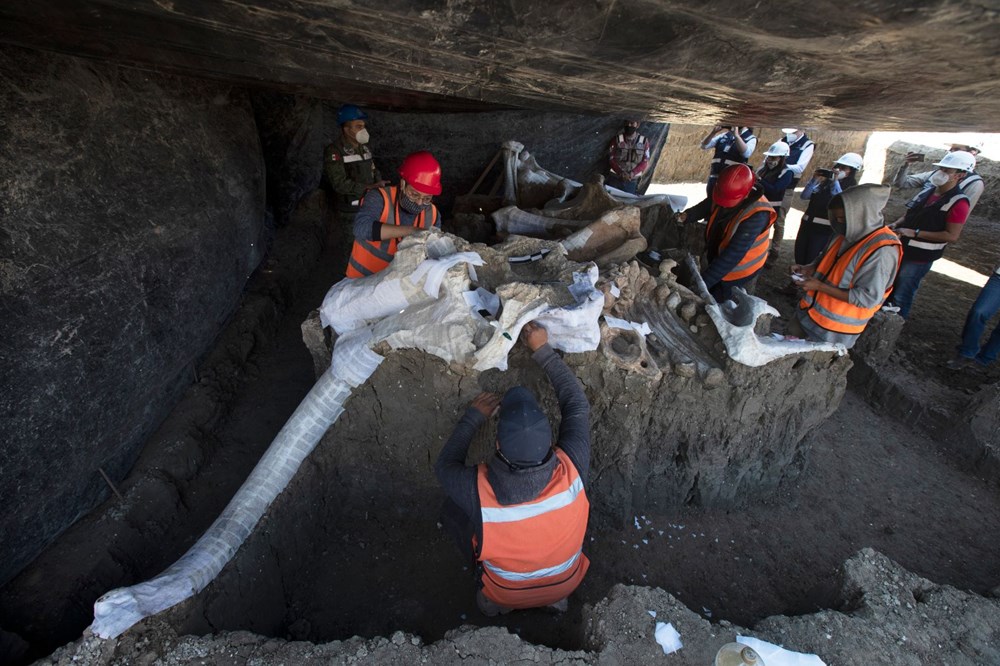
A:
x: 132, y: 209
x: 684, y: 161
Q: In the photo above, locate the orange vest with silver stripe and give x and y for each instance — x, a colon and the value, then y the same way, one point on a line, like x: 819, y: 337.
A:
x: 532, y: 553
x: 755, y: 257
x: 832, y: 313
x: 369, y: 257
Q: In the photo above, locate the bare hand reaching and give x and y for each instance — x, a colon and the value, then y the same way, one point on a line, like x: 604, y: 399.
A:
x: 487, y: 403
x: 534, y: 335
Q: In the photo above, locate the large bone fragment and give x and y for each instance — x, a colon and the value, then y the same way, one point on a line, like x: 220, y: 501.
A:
x: 736, y: 321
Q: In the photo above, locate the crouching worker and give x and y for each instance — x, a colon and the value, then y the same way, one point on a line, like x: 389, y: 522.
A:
x: 736, y: 236
x: 390, y: 213
x: 522, y: 516
x: 853, y: 276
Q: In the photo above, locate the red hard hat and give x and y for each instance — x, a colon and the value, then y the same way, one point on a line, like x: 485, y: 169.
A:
x: 422, y: 172
x: 734, y: 184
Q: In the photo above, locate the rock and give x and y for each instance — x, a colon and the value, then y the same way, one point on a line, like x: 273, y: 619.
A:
x: 133, y: 217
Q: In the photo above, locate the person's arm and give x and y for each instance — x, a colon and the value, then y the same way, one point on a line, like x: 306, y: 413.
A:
x: 712, y: 137
x: 799, y: 167
x: 876, y: 274
x: 955, y: 222
x: 613, y: 159
x: 747, y: 147
x: 699, y: 211
x: 458, y: 480
x: 811, y: 187
x: 728, y: 258
x: 336, y: 173
x: 974, y: 191
x: 366, y: 221
x: 909, y: 181
x: 574, y: 425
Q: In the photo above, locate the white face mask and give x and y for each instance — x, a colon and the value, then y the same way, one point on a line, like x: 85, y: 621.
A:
x: 839, y: 174
x: 362, y: 136
x: 939, y: 178
x: 791, y: 138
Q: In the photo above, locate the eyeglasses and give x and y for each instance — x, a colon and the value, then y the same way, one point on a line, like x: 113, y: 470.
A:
x: 415, y: 196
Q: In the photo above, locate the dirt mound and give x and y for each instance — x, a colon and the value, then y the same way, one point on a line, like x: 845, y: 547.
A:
x: 887, y: 616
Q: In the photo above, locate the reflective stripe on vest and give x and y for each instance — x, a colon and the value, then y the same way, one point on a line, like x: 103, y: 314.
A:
x: 509, y: 514
x: 929, y: 187
x: 537, y: 573
x: 929, y: 217
x: 755, y: 257
x: 370, y: 257
x: 832, y: 313
x: 531, y: 553
x: 629, y: 156
x: 816, y: 220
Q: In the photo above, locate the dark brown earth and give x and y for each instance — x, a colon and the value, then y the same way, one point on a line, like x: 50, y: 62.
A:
x: 870, y: 481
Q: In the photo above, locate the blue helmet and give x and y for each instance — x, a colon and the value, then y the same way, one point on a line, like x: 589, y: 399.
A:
x: 350, y: 112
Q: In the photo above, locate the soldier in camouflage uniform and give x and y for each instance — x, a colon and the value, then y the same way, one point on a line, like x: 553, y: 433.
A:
x: 348, y: 163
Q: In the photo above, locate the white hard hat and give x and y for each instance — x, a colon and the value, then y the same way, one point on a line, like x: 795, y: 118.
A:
x: 789, y: 130
x: 852, y: 160
x: 958, y: 159
x: 778, y: 149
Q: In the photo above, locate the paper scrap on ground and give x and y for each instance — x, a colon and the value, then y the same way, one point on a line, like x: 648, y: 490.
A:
x: 668, y: 638
x: 652, y: 614
x: 642, y: 328
x: 774, y: 655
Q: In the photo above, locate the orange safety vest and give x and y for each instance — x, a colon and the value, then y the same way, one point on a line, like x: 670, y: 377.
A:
x: 369, y: 257
x: 755, y: 257
x: 532, y: 553
x: 832, y: 313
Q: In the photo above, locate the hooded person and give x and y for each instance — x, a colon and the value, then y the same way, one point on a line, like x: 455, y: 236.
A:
x: 847, y: 284
x: 390, y: 213
x: 520, y: 518
x: 739, y: 220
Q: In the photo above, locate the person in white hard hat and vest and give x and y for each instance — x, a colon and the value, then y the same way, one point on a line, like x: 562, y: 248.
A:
x: 936, y: 219
x: 521, y: 517
x: 971, y: 185
x: 814, y: 230
x: 800, y: 152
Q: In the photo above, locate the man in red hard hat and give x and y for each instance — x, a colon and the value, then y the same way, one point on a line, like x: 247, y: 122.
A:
x: 739, y: 219
x: 390, y: 213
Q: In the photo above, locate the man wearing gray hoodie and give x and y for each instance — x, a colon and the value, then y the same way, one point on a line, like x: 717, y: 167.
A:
x: 853, y: 276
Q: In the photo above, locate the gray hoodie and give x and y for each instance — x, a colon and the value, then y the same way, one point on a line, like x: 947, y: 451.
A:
x: 863, y: 206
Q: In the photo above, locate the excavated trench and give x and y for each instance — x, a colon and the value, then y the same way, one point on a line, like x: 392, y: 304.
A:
x: 352, y: 547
